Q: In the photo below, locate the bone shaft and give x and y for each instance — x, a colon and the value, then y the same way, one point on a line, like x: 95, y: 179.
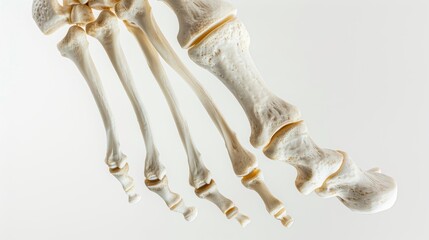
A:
x: 194, y: 159
x: 245, y: 162
x: 117, y: 57
x: 87, y: 67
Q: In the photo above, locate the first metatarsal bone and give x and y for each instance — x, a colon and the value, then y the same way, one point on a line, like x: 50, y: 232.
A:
x: 106, y: 30
x: 275, y: 124
x: 75, y: 47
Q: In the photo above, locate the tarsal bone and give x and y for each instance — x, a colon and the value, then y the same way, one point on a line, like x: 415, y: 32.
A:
x: 75, y: 47
x: 49, y: 15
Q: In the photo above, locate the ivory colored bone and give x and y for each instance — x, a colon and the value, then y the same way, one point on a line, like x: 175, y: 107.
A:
x: 244, y: 162
x: 224, y: 51
x: 106, y: 30
x: 74, y: 2
x: 81, y: 14
x: 362, y: 191
x: 49, y: 15
x: 102, y: 4
x: 192, y: 28
x: 173, y: 200
x: 158, y: 71
x: 75, y: 47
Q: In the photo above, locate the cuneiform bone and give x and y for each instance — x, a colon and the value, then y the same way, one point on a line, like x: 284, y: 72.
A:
x: 81, y: 14
x: 106, y: 30
x: 224, y: 51
x: 49, y: 15
x: 244, y: 162
x: 196, y: 166
x: 75, y: 47
x: 74, y: 2
x: 102, y: 4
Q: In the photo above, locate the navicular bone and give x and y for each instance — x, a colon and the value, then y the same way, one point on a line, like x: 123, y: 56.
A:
x: 49, y: 15
x: 81, y: 14
x: 75, y: 47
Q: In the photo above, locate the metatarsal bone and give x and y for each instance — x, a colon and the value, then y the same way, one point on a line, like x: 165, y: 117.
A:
x: 243, y: 162
x: 106, y: 30
x: 225, y: 53
x: 195, y: 163
x: 75, y: 47
x: 49, y: 15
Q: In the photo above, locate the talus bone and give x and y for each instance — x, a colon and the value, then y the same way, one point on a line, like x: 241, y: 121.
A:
x: 106, y: 30
x: 75, y: 47
x: 224, y: 51
x: 196, y: 165
x: 243, y: 162
x: 49, y: 15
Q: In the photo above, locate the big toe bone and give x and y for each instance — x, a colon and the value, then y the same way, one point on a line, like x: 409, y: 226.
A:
x: 361, y: 191
x: 331, y: 173
x: 314, y: 165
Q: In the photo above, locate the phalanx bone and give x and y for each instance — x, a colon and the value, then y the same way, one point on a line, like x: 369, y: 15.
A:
x: 218, y: 41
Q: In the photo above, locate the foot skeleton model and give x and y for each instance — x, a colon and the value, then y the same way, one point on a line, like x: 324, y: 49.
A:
x: 218, y: 41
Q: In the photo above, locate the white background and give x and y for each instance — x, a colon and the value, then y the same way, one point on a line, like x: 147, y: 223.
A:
x: 358, y: 70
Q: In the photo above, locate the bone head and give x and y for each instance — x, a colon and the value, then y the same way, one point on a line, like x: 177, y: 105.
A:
x: 102, y: 4
x: 293, y: 145
x: 49, y: 15
x: 130, y: 10
x: 73, y: 42
x: 81, y: 14
x: 173, y: 200
x: 196, y: 17
x: 361, y: 191
x: 104, y: 27
x: 225, y: 53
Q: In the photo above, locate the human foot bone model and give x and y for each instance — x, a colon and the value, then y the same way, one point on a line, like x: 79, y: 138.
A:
x: 219, y: 42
